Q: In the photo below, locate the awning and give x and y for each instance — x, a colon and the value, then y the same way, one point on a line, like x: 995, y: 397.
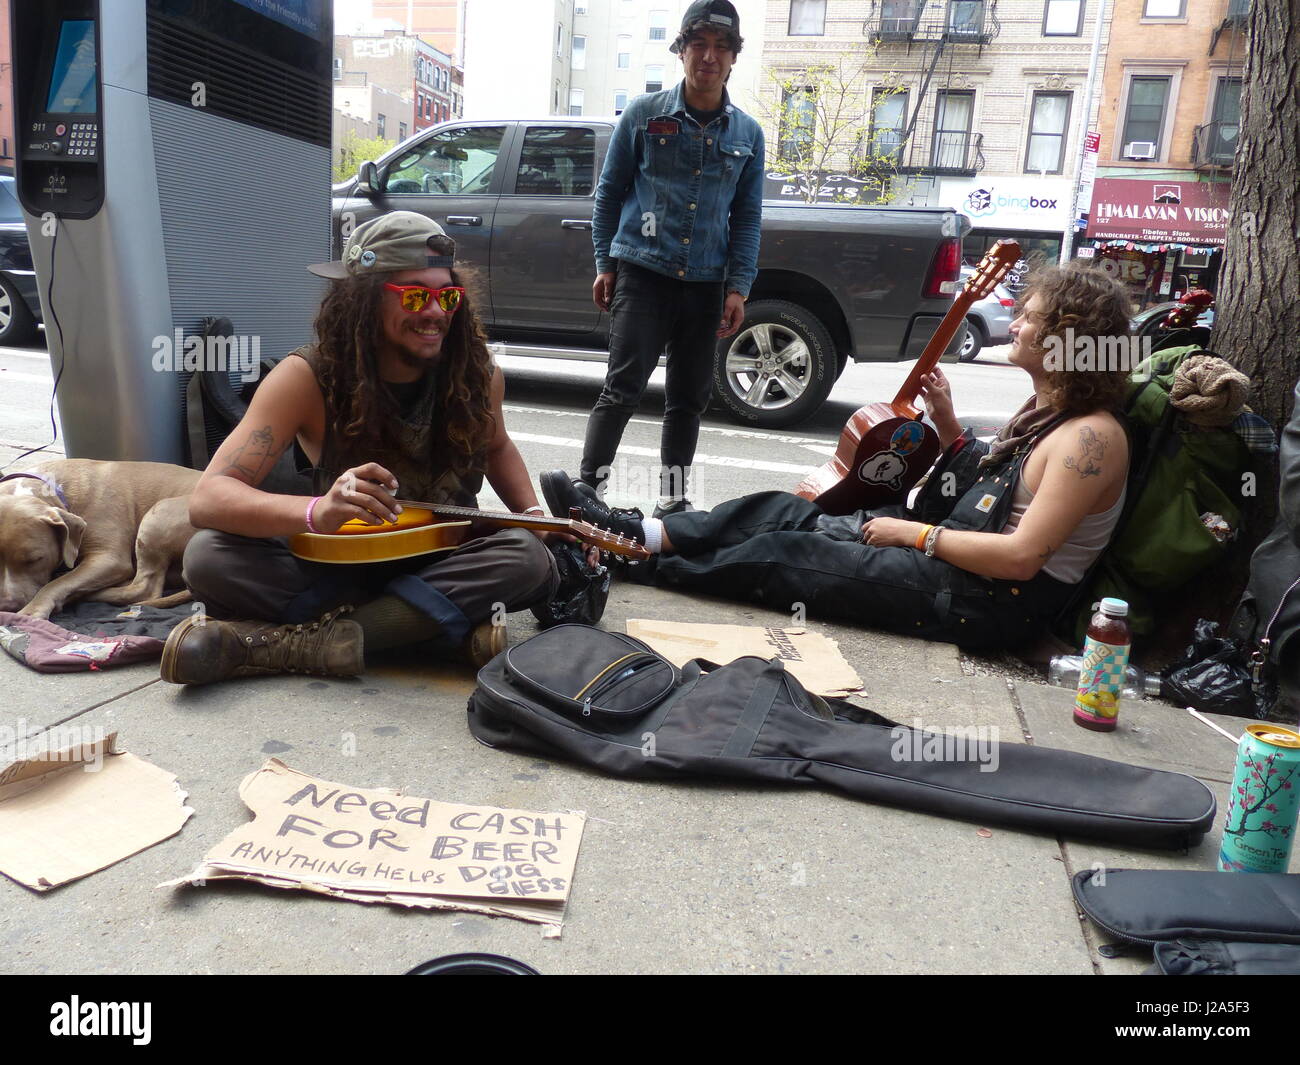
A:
x: 1190, y: 213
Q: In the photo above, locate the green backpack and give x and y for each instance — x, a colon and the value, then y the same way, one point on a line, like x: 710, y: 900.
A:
x: 1177, y: 473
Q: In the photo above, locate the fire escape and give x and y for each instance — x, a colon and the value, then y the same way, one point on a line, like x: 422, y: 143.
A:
x: 1214, y: 145
x: 933, y: 40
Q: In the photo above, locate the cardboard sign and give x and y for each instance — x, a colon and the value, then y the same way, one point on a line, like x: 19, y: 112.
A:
x: 378, y: 845
x: 813, y: 658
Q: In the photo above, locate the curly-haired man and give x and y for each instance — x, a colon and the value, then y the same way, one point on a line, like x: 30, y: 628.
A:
x: 398, y: 397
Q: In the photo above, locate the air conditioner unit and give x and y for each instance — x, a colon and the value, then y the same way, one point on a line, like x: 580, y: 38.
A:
x: 1140, y: 150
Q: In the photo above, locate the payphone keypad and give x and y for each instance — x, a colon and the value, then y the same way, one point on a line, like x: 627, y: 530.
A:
x: 83, y: 139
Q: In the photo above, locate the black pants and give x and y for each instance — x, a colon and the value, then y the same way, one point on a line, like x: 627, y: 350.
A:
x: 240, y: 578
x: 771, y: 548
x: 648, y: 313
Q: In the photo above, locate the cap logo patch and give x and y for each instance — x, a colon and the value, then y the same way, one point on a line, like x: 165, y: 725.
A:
x: 722, y: 20
x: 367, y: 258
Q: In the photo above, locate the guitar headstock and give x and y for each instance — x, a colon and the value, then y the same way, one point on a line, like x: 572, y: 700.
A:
x: 992, y: 268
x: 608, y: 541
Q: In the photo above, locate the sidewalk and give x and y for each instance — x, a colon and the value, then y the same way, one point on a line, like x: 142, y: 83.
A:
x: 672, y: 877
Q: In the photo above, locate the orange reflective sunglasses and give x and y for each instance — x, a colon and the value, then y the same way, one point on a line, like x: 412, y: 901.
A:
x: 416, y: 297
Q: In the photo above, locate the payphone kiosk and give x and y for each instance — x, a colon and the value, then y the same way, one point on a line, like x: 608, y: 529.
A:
x: 173, y: 159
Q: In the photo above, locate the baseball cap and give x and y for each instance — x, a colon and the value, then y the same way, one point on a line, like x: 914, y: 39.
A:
x: 716, y: 14
x: 399, y: 240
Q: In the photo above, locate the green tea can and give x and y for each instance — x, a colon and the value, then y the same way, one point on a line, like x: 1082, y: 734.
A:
x: 1263, y: 802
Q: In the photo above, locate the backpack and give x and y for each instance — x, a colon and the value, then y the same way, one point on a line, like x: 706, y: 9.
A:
x: 610, y: 701
x: 1177, y: 473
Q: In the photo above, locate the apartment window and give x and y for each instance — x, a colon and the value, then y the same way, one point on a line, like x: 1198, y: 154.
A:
x: 1063, y: 18
x: 952, y: 129
x: 888, y: 123
x: 1225, y: 123
x: 658, y: 25
x: 654, y: 79
x: 380, y: 124
x: 798, y: 122
x: 807, y: 18
x: 575, y: 101
x: 1164, y: 8
x: 579, y: 53
x: 620, y: 101
x: 624, y: 52
x: 401, y: 131
x: 1145, y: 117
x: 965, y: 18
x: 338, y: 69
x: 898, y: 18
x: 1049, y: 118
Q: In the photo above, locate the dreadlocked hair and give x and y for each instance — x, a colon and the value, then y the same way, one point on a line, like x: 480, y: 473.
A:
x: 363, y: 415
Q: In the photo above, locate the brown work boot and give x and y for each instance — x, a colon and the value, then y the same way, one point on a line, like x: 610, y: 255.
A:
x: 485, y: 641
x: 201, y: 650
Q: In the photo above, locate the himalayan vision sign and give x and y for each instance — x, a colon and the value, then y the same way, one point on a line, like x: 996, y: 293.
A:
x: 1166, y: 212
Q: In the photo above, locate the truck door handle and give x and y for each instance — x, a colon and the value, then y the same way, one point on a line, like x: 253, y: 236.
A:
x: 576, y: 223
x: 464, y: 220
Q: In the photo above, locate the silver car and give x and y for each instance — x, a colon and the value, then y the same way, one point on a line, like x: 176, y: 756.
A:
x: 988, y: 320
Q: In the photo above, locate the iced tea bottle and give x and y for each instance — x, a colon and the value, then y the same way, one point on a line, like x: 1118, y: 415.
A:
x: 1105, y: 662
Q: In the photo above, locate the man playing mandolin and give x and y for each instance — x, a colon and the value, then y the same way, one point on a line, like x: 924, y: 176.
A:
x: 997, y: 540
x: 399, y: 395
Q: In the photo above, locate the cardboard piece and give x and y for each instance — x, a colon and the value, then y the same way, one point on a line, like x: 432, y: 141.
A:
x: 378, y: 845
x: 813, y: 658
x: 65, y: 814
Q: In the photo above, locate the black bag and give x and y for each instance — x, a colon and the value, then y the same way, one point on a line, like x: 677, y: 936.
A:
x: 1220, y: 675
x: 1212, y: 957
x: 583, y: 590
x: 609, y: 701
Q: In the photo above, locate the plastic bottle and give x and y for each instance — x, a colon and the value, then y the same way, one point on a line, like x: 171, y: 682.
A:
x: 1105, y: 664
x: 1063, y: 671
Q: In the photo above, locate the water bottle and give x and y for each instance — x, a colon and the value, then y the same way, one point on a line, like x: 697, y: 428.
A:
x: 1064, y: 673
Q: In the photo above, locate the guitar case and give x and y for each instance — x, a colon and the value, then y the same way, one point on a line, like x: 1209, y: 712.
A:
x: 608, y: 701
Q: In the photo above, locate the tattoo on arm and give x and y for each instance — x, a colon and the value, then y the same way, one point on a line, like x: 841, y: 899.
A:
x: 254, y: 458
x: 1045, y: 555
x: 1091, y: 449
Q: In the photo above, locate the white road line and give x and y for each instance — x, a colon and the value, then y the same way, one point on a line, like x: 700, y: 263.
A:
x: 717, y: 430
x: 10, y: 375
x: 653, y: 453
x: 43, y: 356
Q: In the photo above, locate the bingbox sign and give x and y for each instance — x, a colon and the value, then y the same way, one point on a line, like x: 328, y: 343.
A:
x: 1026, y: 204
x: 1165, y: 212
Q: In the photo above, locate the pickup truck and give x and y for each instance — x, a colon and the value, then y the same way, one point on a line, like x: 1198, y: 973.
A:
x: 834, y: 283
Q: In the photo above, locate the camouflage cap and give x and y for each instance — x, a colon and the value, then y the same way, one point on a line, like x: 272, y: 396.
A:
x: 399, y: 240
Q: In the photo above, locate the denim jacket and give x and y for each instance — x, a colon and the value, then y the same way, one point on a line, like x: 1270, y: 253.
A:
x: 687, y: 204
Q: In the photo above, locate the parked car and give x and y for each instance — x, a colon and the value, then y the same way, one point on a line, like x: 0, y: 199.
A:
x: 834, y: 284
x: 20, y: 305
x: 988, y: 321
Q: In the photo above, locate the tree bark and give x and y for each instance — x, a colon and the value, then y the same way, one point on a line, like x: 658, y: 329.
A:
x: 1258, y: 302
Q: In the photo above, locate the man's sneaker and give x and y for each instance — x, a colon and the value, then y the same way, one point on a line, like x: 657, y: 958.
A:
x: 485, y: 641
x: 677, y: 506
x: 562, y: 495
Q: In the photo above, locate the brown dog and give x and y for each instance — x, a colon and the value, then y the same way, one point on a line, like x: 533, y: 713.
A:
x: 119, y: 527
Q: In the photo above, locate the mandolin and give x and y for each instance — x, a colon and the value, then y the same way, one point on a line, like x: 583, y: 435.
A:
x: 418, y: 531
x: 885, y: 447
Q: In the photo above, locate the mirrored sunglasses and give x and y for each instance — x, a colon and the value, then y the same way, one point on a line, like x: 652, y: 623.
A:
x: 415, y: 298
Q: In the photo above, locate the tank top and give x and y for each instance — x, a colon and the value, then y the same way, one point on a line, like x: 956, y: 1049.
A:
x: 417, y: 477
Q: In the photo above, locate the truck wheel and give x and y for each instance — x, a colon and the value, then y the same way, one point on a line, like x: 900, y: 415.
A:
x: 17, y: 326
x: 971, y: 345
x: 780, y: 367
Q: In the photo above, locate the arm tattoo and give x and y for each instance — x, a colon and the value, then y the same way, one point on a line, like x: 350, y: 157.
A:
x: 1045, y: 555
x: 1092, y: 448
x: 254, y: 458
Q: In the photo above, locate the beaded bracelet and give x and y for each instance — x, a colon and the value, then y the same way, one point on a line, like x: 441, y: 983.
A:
x: 311, y: 509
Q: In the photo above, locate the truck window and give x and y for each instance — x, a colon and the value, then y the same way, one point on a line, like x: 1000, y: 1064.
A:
x: 455, y: 162
x: 557, y: 161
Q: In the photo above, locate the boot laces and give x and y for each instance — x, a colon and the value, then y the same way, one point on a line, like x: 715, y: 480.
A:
x: 295, y: 648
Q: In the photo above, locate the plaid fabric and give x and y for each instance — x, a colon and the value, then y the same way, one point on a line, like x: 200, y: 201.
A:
x: 1255, y: 433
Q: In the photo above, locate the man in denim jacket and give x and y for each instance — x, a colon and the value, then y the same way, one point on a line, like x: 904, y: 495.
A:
x: 676, y: 230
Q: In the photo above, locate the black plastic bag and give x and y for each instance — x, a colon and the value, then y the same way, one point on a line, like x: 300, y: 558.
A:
x: 1215, y: 676
x: 583, y: 590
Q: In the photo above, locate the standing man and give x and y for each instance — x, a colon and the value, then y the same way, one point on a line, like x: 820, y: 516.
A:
x: 676, y: 230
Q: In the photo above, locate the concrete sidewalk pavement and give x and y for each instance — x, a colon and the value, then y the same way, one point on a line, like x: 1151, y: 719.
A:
x: 691, y: 876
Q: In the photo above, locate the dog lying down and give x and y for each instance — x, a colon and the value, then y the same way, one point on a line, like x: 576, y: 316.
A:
x: 120, y: 528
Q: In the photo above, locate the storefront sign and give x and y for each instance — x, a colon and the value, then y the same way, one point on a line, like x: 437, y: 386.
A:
x: 1169, y: 212
x: 1037, y: 204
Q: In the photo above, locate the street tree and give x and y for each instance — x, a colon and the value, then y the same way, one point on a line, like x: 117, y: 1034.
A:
x: 354, y: 150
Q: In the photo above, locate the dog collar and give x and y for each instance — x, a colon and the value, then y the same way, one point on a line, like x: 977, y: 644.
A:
x: 49, y: 483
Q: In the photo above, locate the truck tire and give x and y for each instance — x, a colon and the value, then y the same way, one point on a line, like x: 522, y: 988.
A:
x: 778, y: 369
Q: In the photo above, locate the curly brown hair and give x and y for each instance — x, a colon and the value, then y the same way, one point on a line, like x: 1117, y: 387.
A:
x: 1085, y: 300
x: 363, y: 415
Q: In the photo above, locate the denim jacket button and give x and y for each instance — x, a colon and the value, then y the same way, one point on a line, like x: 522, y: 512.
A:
x: 663, y: 140
x: 697, y: 173
x: 686, y: 240
x: 709, y: 141
x: 692, y: 207
x: 681, y: 273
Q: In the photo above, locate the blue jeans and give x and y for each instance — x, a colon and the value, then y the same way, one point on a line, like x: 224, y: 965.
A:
x: 771, y: 548
x: 648, y: 313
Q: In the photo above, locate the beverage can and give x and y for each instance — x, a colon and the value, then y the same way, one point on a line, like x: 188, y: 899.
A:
x: 1263, y: 802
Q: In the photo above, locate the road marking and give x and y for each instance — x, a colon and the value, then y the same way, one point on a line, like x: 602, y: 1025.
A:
x: 653, y: 453
x: 10, y: 375
x: 43, y: 356
x: 717, y: 430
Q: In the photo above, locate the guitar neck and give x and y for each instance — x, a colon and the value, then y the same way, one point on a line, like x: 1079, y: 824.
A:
x: 903, y: 402
x: 505, y: 520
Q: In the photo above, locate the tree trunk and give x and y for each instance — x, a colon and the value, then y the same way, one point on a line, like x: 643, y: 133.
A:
x: 1258, y: 302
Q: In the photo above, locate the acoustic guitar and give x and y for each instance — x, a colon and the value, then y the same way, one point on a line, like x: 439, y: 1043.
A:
x: 417, y: 531
x: 885, y: 447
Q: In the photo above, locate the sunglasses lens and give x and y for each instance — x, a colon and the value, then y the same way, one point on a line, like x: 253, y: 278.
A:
x: 449, y: 299
x: 415, y: 299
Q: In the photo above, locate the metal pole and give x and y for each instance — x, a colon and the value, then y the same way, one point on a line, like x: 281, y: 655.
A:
x: 1067, y: 244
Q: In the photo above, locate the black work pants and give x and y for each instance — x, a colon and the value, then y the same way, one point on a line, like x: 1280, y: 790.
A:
x: 771, y: 548
x: 651, y: 312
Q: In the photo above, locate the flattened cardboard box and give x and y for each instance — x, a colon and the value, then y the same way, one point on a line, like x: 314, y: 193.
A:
x: 378, y: 845
x: 65, y: 814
